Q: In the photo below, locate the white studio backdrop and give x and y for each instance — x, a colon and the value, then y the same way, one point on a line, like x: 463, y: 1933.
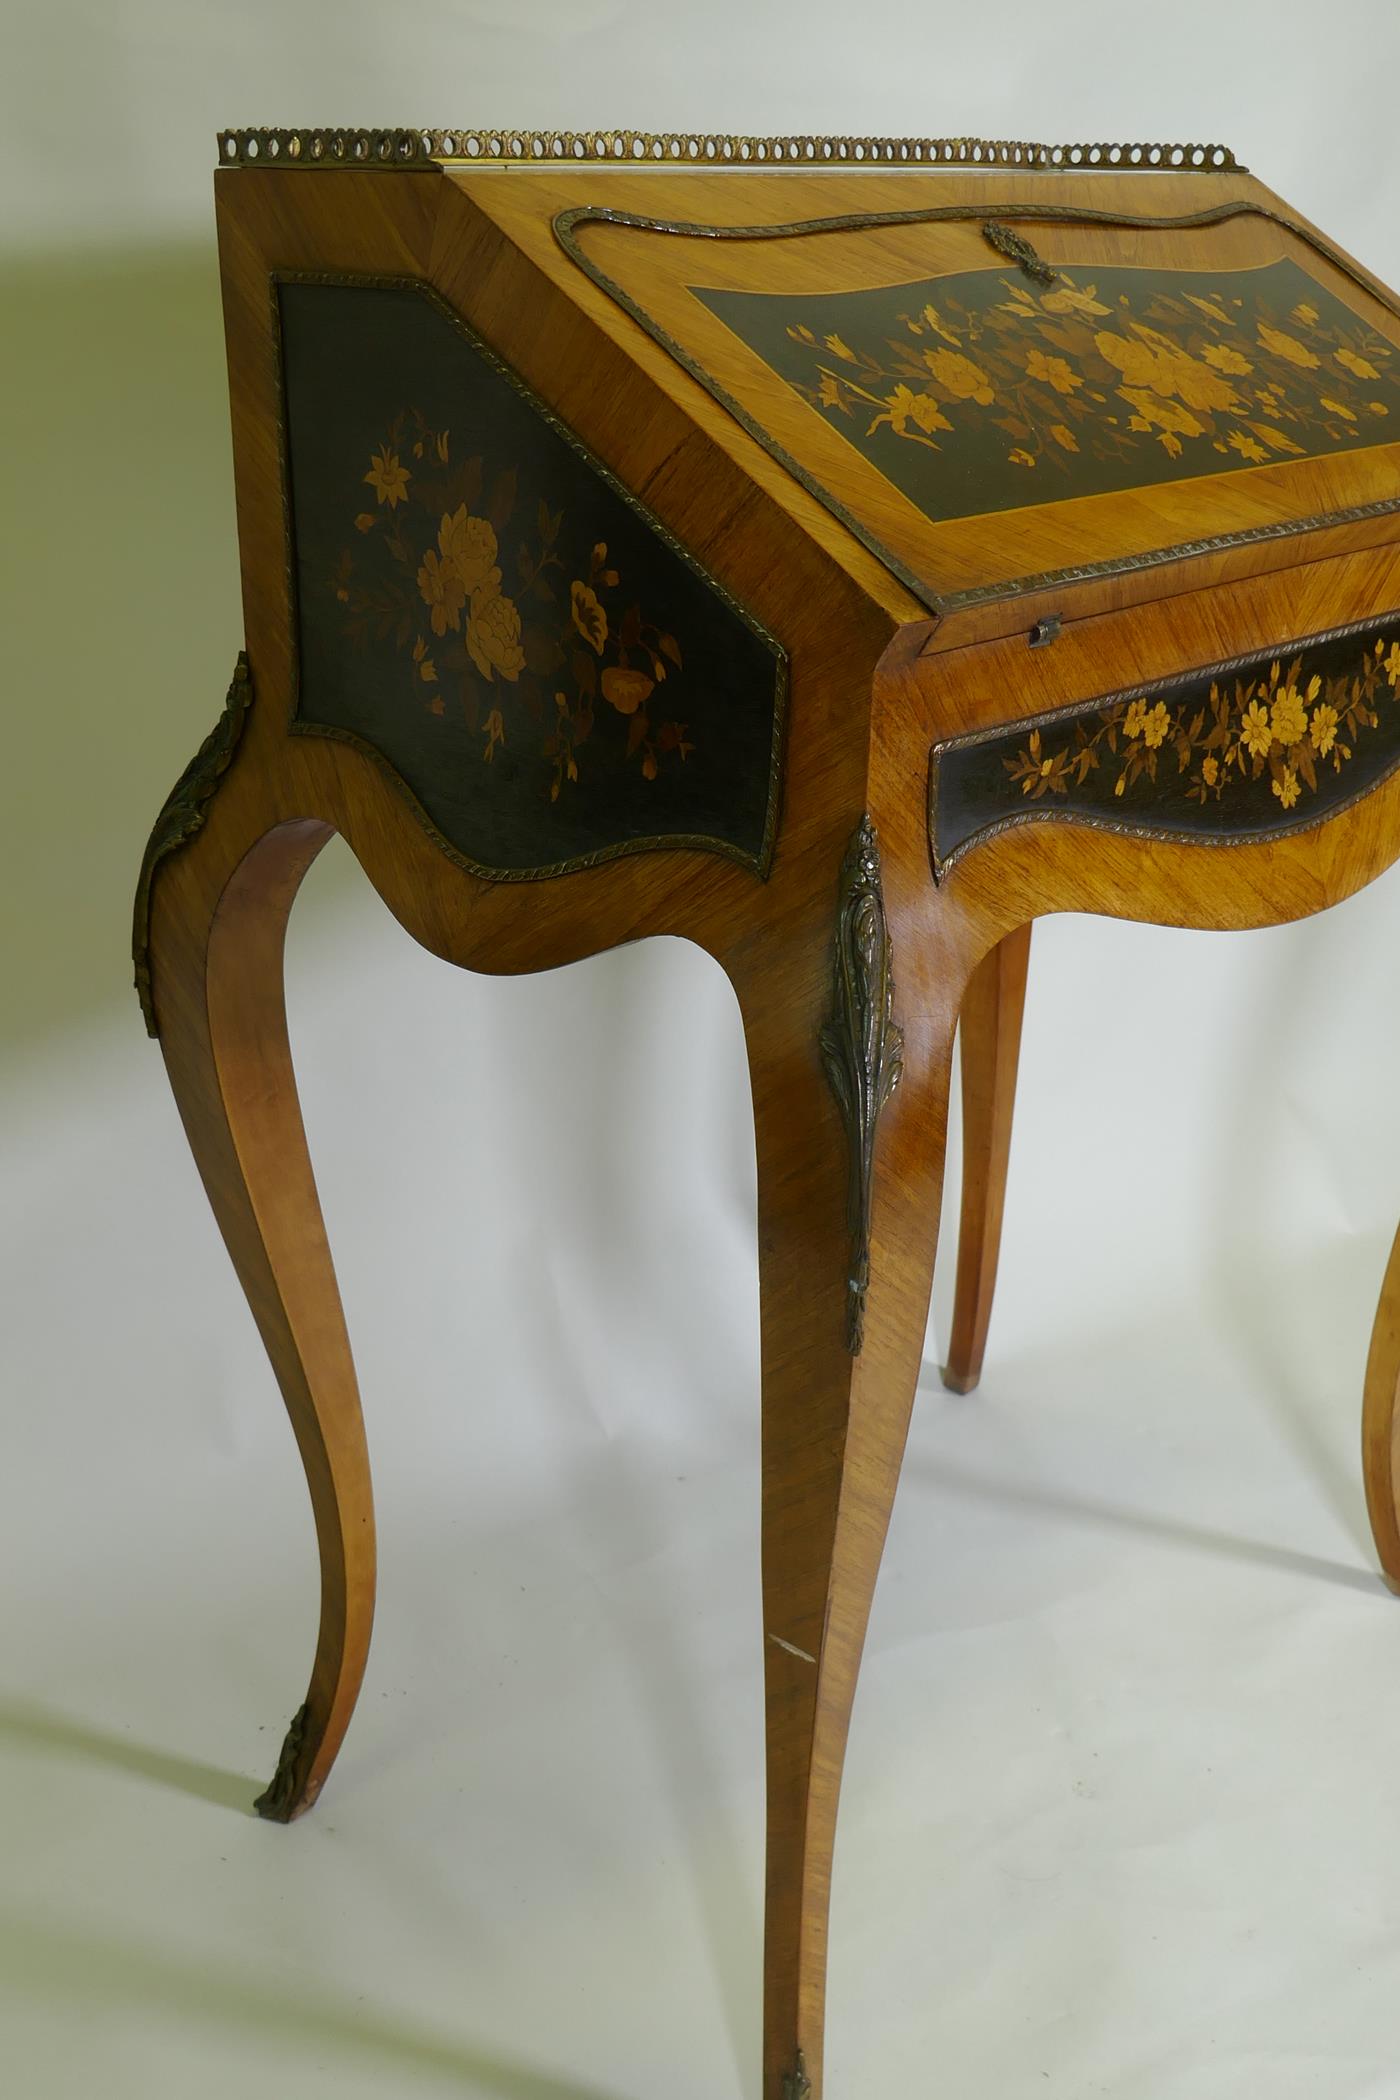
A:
x: 1117, y: 1817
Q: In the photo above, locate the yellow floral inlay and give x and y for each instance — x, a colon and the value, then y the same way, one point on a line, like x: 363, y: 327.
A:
x: 1002, y: 372
x: 1156, y: 722
x: 1256, y: 731
x: 470, y: 545
x: 1068, y: 300
x: 1288, y: 718
x: 904, y: 406
x: 1224, y: 359
x: 530, y: 661
x: 1288, y: 347
x: 588, y: 615
x: 387, y: 477
x: 442, y: 589
x: 959, y: 377
x: 493, y: 635
x: 1285, y: 726
x: 1055, y: 371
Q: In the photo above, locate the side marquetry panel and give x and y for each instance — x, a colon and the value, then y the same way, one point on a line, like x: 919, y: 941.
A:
x: 1248, y: 749
x: 479, y: 603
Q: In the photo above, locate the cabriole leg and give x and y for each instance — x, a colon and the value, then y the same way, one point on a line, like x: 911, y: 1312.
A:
x: 217, y: 923
x: 1380, y: 1439
x: 850, y: 1158
x: 991, y: 1044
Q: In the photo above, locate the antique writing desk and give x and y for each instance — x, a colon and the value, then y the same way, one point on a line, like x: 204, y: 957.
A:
x: 834, y: 552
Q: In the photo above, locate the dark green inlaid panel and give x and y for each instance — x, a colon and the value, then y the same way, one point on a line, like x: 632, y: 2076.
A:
x: 483, y: 605
x: 986, y: 391
x: 1248, y: 749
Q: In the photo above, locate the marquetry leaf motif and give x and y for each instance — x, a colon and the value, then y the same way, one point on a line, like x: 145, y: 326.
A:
x: 862, y: 1047
x: 277, y: 1802
x: 183, y: 815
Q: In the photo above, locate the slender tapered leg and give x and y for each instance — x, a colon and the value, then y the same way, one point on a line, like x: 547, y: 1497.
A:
x: 1380, y: 1436
x: 991, y: 1043
x: 217, y: 923
x: 850, y: 1152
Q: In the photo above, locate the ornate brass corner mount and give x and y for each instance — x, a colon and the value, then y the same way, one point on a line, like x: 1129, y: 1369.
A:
x: 1018, y: 249
x: 276, y: 1803
x: 862, y: 1046
x: 184, y: 812
x: 796, y: 2084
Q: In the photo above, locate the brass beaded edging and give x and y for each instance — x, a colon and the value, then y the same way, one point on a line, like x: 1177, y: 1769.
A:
x: 758, y: 864
x: 940, y: 604
x: 411, y: 151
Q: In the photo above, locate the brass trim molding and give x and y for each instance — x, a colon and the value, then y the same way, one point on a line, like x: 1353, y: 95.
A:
x: 940, y: 604
x: 183, y: 814
x: 412, y: 151
x: 862, y: 1046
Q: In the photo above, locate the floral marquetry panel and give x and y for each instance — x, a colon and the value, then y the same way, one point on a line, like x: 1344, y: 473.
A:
x: 1007, y: 389
x: 545, y: 670
x: 991, y: 389
x: 1261, y: 745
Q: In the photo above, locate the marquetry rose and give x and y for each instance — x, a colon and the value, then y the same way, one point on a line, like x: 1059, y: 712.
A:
x: 503, y: 609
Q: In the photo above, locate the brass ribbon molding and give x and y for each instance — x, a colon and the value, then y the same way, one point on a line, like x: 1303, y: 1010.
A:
x: 862, y: 1046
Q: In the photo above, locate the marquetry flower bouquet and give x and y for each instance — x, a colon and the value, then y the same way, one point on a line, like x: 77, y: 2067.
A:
x: 538, y: 644
x: 1074, y: 369
x: 1289, y: 725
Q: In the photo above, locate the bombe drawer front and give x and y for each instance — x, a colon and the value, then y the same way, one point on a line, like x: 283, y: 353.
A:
x: 1250, y: 748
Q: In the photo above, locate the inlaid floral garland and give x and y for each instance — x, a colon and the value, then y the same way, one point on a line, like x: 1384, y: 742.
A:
x: 544, y: 660
x: 1087, y: 368
x: 1285, y: 724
